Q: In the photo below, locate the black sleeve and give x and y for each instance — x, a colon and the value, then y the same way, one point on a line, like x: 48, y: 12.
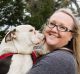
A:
x: 55, y: 63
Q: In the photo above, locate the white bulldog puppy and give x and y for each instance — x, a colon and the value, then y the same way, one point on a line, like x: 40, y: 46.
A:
x: 20, y: 41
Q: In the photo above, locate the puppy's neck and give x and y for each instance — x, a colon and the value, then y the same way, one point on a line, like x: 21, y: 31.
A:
x: 23, y: 48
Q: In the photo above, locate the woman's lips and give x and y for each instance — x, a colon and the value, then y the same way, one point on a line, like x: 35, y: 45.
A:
x: 54, y: 35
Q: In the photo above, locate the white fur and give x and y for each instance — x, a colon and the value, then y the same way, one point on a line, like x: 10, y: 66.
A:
x: 21, y: 42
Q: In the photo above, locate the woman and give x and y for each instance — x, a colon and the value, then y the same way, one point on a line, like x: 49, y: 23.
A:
x: 61, y: 32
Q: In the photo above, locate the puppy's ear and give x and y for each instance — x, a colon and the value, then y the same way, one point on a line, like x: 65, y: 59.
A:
x: 10, y: 35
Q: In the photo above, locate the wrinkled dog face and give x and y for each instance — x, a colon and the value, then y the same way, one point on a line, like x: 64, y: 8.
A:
x: 27, y: 34
x: 23, y: 38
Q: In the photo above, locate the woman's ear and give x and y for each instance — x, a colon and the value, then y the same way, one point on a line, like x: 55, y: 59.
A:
x: 10, y: 35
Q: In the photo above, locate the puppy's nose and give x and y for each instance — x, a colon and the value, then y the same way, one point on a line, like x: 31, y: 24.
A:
x: 41, y: 36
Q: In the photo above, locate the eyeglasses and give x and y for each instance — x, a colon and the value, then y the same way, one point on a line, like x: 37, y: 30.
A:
x: 60, y: 28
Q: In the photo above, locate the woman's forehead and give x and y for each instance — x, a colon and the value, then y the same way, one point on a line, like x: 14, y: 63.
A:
x: 62, y: 17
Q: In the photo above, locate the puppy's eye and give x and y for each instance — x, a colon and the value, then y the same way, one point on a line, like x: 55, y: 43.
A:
x: 31, y: 30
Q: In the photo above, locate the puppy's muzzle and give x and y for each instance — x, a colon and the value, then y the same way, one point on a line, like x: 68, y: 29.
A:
x: 38, y: 38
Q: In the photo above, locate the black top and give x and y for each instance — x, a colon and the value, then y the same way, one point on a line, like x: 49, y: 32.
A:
x: 57, y: 62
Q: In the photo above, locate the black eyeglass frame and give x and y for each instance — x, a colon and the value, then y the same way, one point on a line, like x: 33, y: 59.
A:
x: 54, y: 25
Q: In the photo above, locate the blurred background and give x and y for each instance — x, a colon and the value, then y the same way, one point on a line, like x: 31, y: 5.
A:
x: 34, y: 12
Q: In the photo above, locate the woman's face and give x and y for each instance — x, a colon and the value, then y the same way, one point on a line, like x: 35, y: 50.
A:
x: 55, y: 32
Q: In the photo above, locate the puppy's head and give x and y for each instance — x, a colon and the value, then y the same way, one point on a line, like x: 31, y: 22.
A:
x: 21, y: 39
x: 25, y: 34
x: 28, y: 34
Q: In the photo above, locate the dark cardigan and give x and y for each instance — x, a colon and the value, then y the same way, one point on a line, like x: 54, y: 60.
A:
x: 57, y: 62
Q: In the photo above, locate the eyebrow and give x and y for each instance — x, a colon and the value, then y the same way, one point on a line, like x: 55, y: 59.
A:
x: 56, y: 22
x: 52, y: 21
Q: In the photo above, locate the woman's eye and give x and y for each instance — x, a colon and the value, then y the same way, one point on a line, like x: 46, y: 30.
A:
x: 31, y: 30
x: 62, y: 27
x: 52, y: 24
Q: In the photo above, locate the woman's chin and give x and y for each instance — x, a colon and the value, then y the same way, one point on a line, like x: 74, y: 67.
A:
x: 50, y: 42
